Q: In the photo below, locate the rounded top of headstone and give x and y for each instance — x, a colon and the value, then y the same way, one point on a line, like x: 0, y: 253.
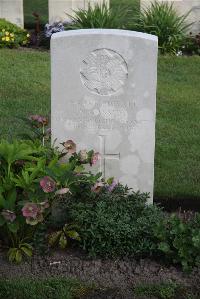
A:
x: 114, y: 32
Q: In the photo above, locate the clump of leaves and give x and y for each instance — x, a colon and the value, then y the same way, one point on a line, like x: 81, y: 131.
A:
x: 116, y: 223
x: 162, y: 19
x: 167, y: 290
x: 179, y: 241
x: 15, y: 254
x: 62, y: 237
x: 100, y: 16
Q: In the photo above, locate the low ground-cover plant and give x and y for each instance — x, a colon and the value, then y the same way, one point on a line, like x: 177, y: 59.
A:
x: 12, y: 36
x: 166, y: 290
x: 117, y: 223
x: 52, y: 288
x: 162, y: 20
x: 179, y: 240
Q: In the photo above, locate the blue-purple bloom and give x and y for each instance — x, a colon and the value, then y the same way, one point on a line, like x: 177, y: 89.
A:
x: 112, y: 186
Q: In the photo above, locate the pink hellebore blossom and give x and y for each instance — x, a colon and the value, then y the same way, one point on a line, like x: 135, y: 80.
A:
x: 8, y: 215
x: 97, y: 187
x: 30, y: 210
x: 41, y: 120
x: 95, y: 158
x: 34, y: 221
x: 48, y: 184
x: 83, y: 155
x: 70, y: 146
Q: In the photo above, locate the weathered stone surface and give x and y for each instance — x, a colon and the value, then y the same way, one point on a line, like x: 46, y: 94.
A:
x: 104, y: 98
x: 12, y: 10
x: 58, y: 9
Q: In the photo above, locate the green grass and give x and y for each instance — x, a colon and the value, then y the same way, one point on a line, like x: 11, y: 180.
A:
x: 54, y: 288
x: 166, y: 290
x: 25, y: 90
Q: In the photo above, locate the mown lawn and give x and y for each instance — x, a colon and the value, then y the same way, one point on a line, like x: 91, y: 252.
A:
x: 25, y: 89
x: 54, y: 288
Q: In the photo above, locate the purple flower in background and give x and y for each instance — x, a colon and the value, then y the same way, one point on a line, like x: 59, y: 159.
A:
x: 112, y: 186
x: 95, y: 158
x: 41, y: 120
x: 53, y: 28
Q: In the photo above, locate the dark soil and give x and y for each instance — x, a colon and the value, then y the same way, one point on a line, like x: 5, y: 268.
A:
x: 115, y: 278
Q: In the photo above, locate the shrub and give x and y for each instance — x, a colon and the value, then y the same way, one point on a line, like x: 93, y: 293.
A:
x: 191, y: 45
x: 100, y: 16
x: 11, y: 35
x: 162, y: 19
x: 179, y: 240
x: 117, y: 223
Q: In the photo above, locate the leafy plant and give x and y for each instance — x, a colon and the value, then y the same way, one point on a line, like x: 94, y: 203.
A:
x: 16, y: 254
x: 191, y: 45
x: 162, y: 19
x: 168, y: 290
x: 12, y: 36
x: 179, y: 241
x: 31, y: 180
x: 100, y: 16
x: 116, y: 223
x: 61, y: 237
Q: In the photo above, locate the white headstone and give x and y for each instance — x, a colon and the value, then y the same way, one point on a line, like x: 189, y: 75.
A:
x: 182, y: 7
x: 104, y: 98
x: 60, y: 9
x: 12, y: 10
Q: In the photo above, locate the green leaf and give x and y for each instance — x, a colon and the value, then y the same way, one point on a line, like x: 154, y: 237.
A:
x: 63, y: 241
x: 53, y: 238
x: 13, y: 227
x: 2, y: 201
x: 27, y: 251
x: 164, y: 247
x: 73, y: 235
x: 11, y: 254
x: 11, y: 199
x: 2, y: 221
x: 18, y: 256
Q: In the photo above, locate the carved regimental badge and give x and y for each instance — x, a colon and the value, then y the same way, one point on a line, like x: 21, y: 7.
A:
x: 104, y: 72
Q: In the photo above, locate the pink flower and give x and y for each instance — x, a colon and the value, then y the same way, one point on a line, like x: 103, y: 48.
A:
x: 62, y: 191
x: 95, y: 158
x: 34, y: 221
x: 70, y: 146
x: 83, y: 155
x: 30, y: 210
x: 41, y: 120
x: 97, y: 187
x: 112, y: 186
x: 48, y: 184
x: 8, y: 215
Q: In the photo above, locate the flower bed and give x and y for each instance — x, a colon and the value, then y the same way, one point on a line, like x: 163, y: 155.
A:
x: 48, y: 199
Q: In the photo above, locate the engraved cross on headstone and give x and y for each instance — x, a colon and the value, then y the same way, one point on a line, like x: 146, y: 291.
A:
x: 104, y: 156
